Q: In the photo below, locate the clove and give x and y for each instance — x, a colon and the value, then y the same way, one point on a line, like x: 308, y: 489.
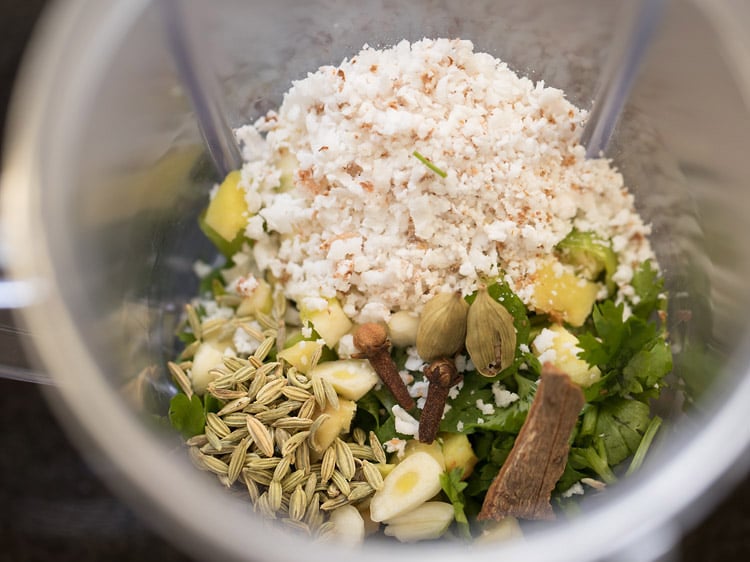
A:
x: 372, y: 341
x: 442, y: 375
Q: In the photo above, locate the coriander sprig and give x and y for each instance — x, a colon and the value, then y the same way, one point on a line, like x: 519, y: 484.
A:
x: 429, y: 164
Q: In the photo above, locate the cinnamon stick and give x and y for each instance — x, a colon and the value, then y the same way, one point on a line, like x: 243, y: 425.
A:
x: 524, y: 485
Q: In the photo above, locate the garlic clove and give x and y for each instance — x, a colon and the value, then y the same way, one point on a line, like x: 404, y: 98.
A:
x: 427, y: 521
x: 412, y: 482
x: 348, y: 525
x: 351, y: 378
x: 402, y: 328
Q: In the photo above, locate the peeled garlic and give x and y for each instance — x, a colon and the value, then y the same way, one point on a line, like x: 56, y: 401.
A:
x: 351, y: 378
x: 427, y: 521
x: 402, y: 328
x: 504, y: 530
x: 412, y: 482
x: 348, y: 525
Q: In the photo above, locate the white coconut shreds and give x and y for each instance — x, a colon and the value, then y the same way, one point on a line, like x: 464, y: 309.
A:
x: 366, y: 221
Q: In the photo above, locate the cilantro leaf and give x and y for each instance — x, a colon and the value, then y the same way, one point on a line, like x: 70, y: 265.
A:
x: 503, y: 294
x: 632, y: 356
x: 370, y: 414
x: 463, y: 408
x: 621, y: 424
x: 509, y: 419
x: 649, y: 286
x: 492, y: 449
x: 644, y: 445
x: 589, y: 458
x: 465, y: 414
x: 186, y: 337
x: 569, y: 477
x: 453, y: 487
x: 187, y: 415
x: 377, y: 406
x: 601, y: 347
x: 387, y: 430
x: 211, y: 404
x: 647, y: 367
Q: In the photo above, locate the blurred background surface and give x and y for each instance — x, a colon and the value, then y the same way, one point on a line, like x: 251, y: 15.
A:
x: 55, y: 508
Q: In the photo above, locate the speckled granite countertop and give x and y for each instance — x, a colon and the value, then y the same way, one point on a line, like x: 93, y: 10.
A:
x: 54, y: 508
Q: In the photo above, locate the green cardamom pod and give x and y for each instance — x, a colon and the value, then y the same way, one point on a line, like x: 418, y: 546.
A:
x: 442, y: 326
x: 490, y: 335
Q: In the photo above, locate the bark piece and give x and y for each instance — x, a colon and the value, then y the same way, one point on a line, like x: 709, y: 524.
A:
x: 524, y: 485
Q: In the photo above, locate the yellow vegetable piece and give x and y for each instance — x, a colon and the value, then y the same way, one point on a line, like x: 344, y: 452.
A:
x: 565, y: 346
x: 564, y: 296
x: 331, y: 322
x: 458, y: 453
x: 433, y: 449
x: 385, y: 469
x: 227, y: 212
x: 261, y: 300
x: 300, y: 355
x: 339, y: 422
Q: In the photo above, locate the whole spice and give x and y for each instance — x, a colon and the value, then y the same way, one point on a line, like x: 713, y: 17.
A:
x: 442, y: 326
x: 442, y: 375
x: 525, y: 482
x: 490, y: 335
x: 372, y: 341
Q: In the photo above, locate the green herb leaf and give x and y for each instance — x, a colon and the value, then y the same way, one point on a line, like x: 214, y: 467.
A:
x: 429, y: 164
x: 186, y: 336
x: 589, y: 458
x: 649, y: 365
x: 649, y: 288
x: 601, y: 347
x: 621, y: 424
x: 569, y: 477
x: 465, y: 415
x: 367, y: 415
x: 387, y: 430
x: 644, y: 445
x: 187, y: 415
x: 492, y: 449
x: 632, y: 356
x: 453, y: 488
x: 211, y: 404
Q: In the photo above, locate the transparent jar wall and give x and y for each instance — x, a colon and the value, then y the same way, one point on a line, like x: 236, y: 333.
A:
x: 122, y: 177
